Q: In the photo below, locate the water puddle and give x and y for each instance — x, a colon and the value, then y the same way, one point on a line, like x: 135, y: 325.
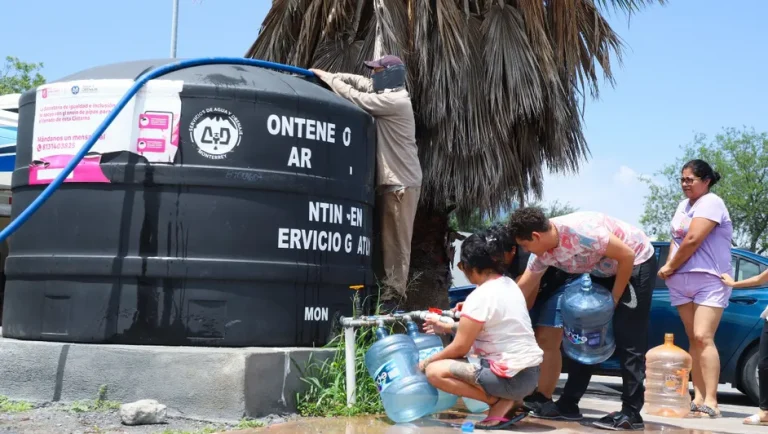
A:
x: 448, y: 422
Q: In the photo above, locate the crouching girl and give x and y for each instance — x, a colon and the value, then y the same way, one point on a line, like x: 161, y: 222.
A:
x: 495, y: 325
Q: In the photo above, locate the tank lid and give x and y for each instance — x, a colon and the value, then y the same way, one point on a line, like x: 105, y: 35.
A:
x: 225, y: 76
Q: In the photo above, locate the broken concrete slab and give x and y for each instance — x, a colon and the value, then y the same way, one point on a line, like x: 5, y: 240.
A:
x: 205, y: 383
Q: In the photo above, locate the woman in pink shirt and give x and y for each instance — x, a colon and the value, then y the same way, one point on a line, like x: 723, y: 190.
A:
x: 699, y: 254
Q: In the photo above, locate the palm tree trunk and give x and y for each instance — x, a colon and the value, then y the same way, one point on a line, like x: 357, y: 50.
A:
x: 430, y: 274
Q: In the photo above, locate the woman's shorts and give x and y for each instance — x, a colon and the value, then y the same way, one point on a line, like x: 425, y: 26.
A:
x: 515, y: 388
x: 703, y: 289
x: 546, y: 312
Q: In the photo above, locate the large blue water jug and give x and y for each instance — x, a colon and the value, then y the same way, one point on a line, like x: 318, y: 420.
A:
x: 393, y: 363
x: 587, y: 310
x: 428, y: 345
x: 473, y: 405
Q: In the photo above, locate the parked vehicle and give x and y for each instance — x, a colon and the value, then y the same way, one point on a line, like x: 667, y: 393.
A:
x: 736, y: 339
x: 9, y: 122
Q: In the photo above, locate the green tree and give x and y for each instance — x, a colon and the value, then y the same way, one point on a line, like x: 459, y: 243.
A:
x: 478, y: 221
x: 556, y: 208
x: 498, y: 88
x: 741, y: 157
x: 17, y: 76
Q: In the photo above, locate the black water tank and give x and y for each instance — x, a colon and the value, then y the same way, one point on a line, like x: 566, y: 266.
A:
x: 249, y: 234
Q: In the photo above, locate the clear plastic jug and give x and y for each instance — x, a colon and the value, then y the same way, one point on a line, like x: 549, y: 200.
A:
x: 587, y: 310
x: 666, y: 380
x: 428, y: 345
x: 393, y: 363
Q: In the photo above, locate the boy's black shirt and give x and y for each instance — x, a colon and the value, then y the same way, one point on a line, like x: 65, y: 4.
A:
x: 552, y: 280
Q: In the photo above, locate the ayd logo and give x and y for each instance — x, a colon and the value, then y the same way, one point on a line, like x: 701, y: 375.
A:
x: 385, y: 375
x: 220, y: 137
x: 216, y: 132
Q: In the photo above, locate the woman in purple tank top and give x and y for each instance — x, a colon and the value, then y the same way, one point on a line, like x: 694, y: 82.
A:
x: 699, y: 254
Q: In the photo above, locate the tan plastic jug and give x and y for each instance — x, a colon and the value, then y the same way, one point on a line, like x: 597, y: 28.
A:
x: 666, y: 380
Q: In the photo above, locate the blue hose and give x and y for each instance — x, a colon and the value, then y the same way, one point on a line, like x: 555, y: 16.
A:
x: 141, y: 81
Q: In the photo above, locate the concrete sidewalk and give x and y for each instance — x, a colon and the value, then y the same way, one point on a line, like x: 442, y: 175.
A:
x: 216, y: 384
x: 730, y: 422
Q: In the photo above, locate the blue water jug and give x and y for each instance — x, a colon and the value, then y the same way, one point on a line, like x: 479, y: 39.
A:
x: 473, y: 405
x: 393, y: 363
x: 587, y: 310
x: 428, y: 345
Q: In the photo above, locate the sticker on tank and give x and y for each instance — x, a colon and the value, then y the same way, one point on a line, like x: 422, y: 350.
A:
x: 215, y: 132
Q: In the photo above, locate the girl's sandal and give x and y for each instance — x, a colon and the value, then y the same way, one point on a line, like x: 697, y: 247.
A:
x: 755, y: 420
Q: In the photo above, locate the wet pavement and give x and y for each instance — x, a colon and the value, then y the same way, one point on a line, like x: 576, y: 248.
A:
x: 602, y: 397
x: 447, y: 423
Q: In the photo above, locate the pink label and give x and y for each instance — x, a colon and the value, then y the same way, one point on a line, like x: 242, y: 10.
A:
x: 45, y: 170
x: 154, y: 121
x: 150, y: 145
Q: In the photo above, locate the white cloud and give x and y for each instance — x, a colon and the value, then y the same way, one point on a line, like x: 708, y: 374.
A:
x: 626, y: 176
x: 602, y: 185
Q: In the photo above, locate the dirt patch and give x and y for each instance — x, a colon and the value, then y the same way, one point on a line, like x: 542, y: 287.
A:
x: 59, y: 418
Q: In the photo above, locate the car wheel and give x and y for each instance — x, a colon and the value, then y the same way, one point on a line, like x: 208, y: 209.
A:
x: 749, y: 380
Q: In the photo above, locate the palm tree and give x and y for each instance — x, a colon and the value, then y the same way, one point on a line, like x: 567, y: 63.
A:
x: 498, y: 88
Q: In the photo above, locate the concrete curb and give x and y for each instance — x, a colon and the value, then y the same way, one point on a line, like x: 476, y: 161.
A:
x: 202, y: 383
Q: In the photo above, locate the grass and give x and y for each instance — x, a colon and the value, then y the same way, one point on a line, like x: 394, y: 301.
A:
x: 249, y: 423
x: 326, y: 394
x: 206, y: 430
x: 244, y: 424
x: 9, y: 406
x: 99, y: 404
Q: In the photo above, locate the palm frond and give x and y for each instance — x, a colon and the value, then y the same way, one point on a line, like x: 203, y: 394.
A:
x: 392, y: 19
x: 309, y: 35
x: 498, y: 86
x: 511, y: 64
x: 280, y: 30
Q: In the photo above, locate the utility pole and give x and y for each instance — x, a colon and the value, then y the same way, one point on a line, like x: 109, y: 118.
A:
x: 174, y: 27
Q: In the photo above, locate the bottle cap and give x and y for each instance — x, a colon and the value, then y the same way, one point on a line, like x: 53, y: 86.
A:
x: 468, y: 427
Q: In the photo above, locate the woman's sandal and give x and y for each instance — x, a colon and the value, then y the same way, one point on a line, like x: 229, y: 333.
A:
x: 694, y: 410
x: 709, y: 411
x: 755, y: 420
x: 503, y: 422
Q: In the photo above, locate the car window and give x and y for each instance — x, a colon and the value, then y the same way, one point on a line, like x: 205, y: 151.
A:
x: 661, y: 257
x: 747, y: 269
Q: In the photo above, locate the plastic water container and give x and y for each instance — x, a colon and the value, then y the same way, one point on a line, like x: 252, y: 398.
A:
x: 473, y: 405
x: 666, y: 380
x: 393, y: 363
x: 587, y: 310
x: 428, y: 345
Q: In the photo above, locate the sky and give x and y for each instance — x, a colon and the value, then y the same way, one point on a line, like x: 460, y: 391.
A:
x: 692, y: 66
